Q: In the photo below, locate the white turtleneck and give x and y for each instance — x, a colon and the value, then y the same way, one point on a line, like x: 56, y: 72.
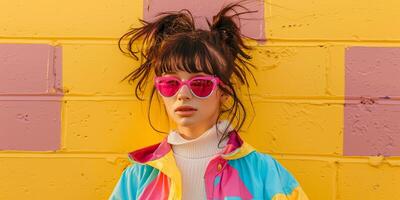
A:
x: 192, y: 157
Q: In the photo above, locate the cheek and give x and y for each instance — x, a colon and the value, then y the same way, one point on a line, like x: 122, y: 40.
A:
x: 212, y: 103
x: 168, y: 103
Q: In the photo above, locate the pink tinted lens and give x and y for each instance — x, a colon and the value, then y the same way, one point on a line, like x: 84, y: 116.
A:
x: 168, y: 87
x: 201, y: 87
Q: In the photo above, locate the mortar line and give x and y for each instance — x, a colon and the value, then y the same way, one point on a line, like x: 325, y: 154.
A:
x: 272, y: 41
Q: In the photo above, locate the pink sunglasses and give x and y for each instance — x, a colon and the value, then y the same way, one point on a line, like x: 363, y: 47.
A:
x: 200, y: 86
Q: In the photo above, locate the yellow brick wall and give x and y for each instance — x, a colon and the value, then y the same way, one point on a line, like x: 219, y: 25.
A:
x: 298, y: 101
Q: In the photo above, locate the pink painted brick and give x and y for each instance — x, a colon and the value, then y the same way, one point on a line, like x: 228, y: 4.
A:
x: 372, y: 71
x: 372, y: 129
x: 30, y: 97
x: 30, y: 125
x: 30, y: 69
x: 372, y: 123
x: 252, y: 25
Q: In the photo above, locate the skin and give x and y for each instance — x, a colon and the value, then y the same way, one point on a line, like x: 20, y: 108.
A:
x: 191, y: 127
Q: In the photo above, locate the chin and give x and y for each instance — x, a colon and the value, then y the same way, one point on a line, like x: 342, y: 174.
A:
x: 186, y: 121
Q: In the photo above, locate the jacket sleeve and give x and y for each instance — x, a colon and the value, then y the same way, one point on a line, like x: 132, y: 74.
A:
x: 285, y: 184
x: 127, y: 186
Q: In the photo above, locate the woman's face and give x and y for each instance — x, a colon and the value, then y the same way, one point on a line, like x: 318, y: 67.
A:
x: 192, y: 124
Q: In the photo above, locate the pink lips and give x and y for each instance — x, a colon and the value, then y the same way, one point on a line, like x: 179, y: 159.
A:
x: 185, y: 108
x: 185, y: 111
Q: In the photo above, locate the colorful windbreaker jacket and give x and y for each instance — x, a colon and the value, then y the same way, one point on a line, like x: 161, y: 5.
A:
x: 239, y: 172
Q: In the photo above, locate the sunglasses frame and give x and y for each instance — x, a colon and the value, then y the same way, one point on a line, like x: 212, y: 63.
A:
x: 216, y: 81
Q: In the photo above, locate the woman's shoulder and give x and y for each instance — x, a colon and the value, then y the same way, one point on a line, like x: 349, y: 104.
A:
x: 264, y: 167
x: 261, y: 158
x: 268, y: 162
x: 269, y: 168
x: 138, y: 168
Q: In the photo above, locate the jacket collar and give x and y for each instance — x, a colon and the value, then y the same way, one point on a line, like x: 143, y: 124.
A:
x: 160, y: 156
x: 234, y: 149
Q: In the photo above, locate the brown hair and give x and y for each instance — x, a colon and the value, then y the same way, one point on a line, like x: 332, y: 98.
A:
x: 171, y: 42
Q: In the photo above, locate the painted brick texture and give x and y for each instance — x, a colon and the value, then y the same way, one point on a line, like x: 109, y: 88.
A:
x: 30, y: 101
x: 326, y: 104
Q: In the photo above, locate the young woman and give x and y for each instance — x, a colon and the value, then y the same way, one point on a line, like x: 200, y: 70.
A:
x: 197, y: 72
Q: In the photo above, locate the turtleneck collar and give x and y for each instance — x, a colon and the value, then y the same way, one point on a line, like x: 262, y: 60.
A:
x: 206, y: 145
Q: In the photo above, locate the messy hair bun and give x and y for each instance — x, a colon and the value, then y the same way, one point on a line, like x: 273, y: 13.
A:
x: 152, y: 35
x: 171, y: 42
x: 229, y: 38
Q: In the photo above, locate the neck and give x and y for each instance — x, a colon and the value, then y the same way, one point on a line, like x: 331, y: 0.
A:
x: 204, y: 146
x: 194, y: 131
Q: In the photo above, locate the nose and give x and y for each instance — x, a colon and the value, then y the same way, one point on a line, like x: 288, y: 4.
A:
x: 184, y: 93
